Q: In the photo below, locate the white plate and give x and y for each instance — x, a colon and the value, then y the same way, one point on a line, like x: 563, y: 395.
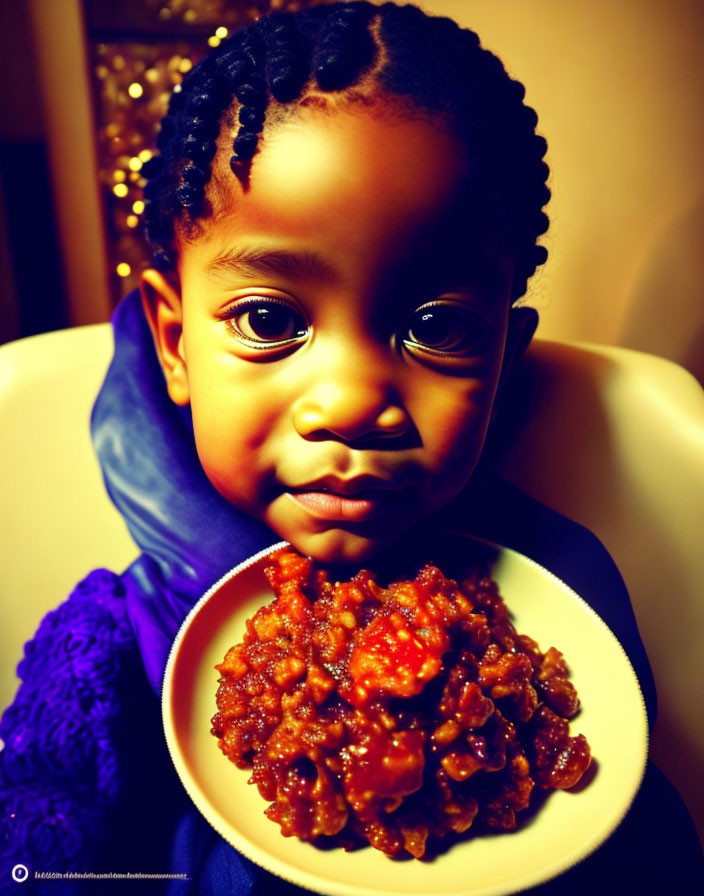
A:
x: 568, y: 827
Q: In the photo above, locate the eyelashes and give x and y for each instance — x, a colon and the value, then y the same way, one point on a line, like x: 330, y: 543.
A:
x: 265, y: 323
x: 443, y: 328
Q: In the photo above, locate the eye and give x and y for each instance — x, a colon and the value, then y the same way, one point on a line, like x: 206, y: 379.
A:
x: 443, y: 328
x: 266, y: 323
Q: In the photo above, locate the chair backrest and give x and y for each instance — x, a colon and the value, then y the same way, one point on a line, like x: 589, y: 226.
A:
x: 614, y: 439
x: 611, y: 438
x: 57, y: 521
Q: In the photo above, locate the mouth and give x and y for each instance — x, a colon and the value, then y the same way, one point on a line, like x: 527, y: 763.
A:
x: 355, y: 500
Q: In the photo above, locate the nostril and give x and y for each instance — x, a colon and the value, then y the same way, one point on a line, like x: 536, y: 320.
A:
x: 351, y: 425
x: 392, y: 421
x: 309, y: 420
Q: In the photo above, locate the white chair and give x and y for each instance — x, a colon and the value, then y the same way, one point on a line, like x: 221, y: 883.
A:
x: 611, y: 438
x: 57, y: 520
x: 614, y: 439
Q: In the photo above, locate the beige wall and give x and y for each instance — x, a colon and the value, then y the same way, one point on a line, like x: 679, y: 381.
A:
x: 619, y: 88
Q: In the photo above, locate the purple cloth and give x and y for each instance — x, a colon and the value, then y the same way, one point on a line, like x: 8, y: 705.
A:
x: 60, y: 775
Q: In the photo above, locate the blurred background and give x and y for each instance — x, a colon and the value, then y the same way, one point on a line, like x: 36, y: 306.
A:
x: 619, y: 88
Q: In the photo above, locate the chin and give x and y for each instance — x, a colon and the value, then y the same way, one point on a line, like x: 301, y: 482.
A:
x: 339, y: 547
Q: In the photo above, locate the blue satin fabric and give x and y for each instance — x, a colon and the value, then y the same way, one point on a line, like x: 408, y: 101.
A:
x: 190, y: 537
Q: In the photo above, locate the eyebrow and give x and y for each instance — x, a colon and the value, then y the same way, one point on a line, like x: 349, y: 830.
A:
x: 258, y: 261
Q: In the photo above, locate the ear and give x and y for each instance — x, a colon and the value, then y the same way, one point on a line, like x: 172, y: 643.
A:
x: 522, y: 324
x: 161, y: 299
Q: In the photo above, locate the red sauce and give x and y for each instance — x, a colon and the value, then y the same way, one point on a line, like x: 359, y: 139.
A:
x: 395, y: 716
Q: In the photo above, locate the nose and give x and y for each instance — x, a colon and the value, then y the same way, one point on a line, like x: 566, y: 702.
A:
x: 350, y: 411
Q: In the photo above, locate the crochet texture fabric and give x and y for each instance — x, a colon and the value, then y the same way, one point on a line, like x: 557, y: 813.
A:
x: 60, y: 777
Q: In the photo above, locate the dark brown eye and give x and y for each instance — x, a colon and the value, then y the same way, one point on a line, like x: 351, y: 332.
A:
x: 268, y: 322
x: 442, y: 327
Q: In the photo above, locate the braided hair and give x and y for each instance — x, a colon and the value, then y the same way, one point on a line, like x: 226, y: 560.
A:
x: 349, y: 51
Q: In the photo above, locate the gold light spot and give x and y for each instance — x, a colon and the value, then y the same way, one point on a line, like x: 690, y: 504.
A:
x: 135, y: 163
x: 123, y: 269
x: 132, y: 220
x: 145, y: 155
x: 151, y: 75
x: 138, y: 207
x: 120, y: 190
x: 135, y: 90
x: 185, y: 65
x: 101, y: 71
x: 190, y: 15
x: 118, y: 176
x: 213, y: 41
x: 221, y: 32
x: 118, y: 62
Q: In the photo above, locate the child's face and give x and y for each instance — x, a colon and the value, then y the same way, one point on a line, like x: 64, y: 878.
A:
x: 337, y: 336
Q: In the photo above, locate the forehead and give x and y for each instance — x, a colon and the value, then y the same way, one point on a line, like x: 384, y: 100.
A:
x: 368, y: 153
x: 360, y: 181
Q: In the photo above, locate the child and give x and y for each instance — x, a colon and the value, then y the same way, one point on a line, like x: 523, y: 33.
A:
x: 344, y: 214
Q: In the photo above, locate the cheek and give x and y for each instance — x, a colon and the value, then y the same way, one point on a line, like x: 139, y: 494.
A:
x: 453, y: 428
x: 226, y: 462
x: 232, y: 426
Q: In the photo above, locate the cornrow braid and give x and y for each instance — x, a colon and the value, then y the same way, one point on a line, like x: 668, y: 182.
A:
x: 350, y: 50
x: 288, y: 62
x: 345, y: 48
x: 187, y: 143
x: 251, y: 92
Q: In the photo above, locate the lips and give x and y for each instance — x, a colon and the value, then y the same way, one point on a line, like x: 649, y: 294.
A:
x: 354, y: 500
x: 328, y: 506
